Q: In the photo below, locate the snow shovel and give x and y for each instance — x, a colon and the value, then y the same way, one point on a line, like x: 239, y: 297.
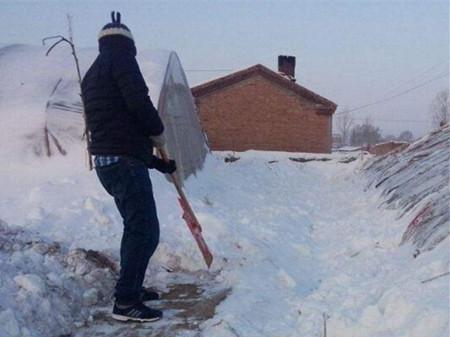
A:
x: 189, y: 216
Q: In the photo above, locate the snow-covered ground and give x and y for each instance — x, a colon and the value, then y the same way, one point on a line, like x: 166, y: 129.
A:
x: 304, y: 247
x: 301, y: 246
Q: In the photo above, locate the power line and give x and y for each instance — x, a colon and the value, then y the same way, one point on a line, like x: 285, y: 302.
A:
x: 208, y: 70
x: 396, y: 95
x: 415, y: 77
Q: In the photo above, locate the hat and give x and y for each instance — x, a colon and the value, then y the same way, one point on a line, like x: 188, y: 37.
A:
x: 115, y: 28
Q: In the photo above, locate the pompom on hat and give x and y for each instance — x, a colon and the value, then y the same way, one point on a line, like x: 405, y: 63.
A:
x: 115, y: 28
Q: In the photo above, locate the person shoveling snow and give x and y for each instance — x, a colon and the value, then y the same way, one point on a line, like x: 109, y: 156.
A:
x: 124, y: 126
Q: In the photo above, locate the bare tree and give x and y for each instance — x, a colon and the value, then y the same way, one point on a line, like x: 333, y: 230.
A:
x: 69, y: 41
x: 344, y: 123
x: 406, y: 136
x: 365, y: 134
x: 440, y: 110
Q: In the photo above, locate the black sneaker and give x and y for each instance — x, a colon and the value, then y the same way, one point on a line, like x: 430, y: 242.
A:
x: 148, y: 295
x: 137, y: 313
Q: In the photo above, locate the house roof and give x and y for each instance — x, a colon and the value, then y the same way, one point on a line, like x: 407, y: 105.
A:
x: 323, y: 105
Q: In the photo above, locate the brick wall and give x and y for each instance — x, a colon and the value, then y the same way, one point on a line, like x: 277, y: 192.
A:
x: 261, y: 115
x: 384, y: 148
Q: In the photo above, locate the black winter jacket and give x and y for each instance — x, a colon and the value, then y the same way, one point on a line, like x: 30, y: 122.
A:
x: 120, y: 116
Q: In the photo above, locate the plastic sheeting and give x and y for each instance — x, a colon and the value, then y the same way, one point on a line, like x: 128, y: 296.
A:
x: 416, y: 182
x: 186, y: 142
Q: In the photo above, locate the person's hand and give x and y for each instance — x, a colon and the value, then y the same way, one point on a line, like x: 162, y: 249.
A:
x: 158, y: 141
x: 165, y: 167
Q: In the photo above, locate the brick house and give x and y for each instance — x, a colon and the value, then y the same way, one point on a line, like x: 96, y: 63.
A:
x: 257, y: 108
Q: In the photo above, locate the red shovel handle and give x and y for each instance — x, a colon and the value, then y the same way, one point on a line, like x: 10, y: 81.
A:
x: 189, y: 217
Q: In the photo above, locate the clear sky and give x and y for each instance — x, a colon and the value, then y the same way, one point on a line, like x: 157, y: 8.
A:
x: 353, y: 52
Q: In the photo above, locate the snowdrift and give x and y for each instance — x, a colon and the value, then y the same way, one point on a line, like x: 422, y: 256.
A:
x: 415, y: 181
x: 299, y: 243
x: 41, y: 110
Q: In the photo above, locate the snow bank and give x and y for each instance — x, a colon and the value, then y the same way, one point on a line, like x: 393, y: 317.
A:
x: 415, y: 181
x: 334, y: 261
x: 46, y: 289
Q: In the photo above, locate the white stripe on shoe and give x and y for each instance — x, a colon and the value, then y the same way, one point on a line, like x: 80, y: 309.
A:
x: 128, y: 318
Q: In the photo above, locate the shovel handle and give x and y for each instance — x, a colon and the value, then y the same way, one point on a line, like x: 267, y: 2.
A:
x: 165, y: 157
x: 193, y: 219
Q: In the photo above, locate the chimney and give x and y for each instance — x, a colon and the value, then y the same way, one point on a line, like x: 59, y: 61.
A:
x: 286, y: 66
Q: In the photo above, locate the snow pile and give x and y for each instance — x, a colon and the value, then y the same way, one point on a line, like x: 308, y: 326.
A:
x: 313, y: 250
x: 416, y: 182
x: 47, y: 290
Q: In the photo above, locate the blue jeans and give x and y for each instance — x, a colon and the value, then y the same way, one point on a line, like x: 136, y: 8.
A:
x: 129, y: 183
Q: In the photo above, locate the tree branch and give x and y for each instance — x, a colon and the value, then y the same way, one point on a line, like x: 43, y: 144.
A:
x: 74, y: 53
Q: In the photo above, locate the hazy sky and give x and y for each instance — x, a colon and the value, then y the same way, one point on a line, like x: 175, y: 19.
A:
x: 352, y: 52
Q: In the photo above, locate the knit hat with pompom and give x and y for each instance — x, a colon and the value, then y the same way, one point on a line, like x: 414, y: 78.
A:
x: 115, y: 28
